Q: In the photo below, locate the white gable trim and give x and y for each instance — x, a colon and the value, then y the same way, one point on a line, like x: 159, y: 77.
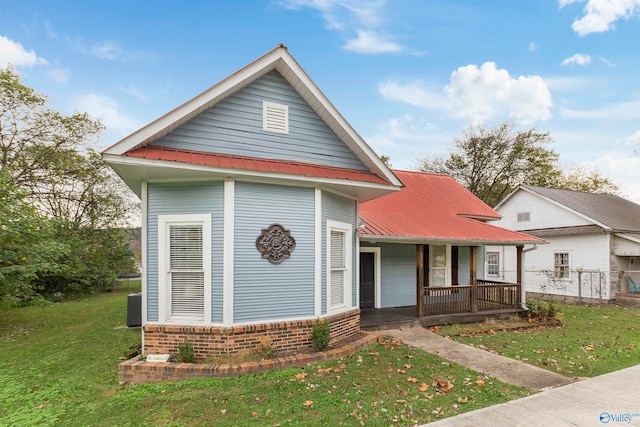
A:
x: 282, y: 61
x: 568, y: 209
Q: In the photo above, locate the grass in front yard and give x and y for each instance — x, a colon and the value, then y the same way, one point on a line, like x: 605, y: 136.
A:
x: 58, y: 367
x: 594, y: 340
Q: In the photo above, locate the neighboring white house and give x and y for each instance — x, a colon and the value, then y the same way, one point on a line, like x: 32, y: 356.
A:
x: 594, y: 243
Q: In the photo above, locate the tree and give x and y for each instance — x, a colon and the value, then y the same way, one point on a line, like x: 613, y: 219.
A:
x: 491, y: 163
x: 80, y: 203
x: 27, y: 245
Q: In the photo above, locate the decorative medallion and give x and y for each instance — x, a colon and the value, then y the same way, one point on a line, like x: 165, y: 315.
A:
x: 275, y: 243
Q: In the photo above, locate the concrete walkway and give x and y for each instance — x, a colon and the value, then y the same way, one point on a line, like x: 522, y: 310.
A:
x: 503, y: 368
x: 607, y: 400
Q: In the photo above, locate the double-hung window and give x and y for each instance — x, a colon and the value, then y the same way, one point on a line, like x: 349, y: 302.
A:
x: 493, y: 264
x: 561, y: 265
x: 184, y: 243
x: 339, y: 260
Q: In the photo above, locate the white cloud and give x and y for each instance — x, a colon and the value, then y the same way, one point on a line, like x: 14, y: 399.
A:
x: 414, y: 93
x: 134, y: 91
x: 571, y: 84
x: 622, y: 170
x: 479, y: 94
x: 601, y: 15
x: 369, y: 42
x: 108, y: 111
x: 627, y: 110
x: 564, y: 3
x: 533, y: 47
x: 606, y: 62
x: 633, y: 139
x: 14, y: 53
x: 60, y: 75
x: 106, y: 50
x: 366, y: 19
x: 578, y: 59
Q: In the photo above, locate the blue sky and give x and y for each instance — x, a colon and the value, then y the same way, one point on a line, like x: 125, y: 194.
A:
x: 408, y: 75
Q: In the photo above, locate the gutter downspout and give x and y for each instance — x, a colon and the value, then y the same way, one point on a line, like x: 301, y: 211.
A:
x: 523, y: 293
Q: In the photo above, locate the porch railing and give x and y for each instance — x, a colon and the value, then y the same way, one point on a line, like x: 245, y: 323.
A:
x: 486, y: 296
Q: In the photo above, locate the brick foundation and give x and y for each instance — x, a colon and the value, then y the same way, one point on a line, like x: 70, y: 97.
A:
x: 134, y: 371
x: 286, y: 337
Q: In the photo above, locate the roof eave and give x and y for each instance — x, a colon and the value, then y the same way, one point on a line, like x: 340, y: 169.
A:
x: 134, y: 171
x: 457, y: 242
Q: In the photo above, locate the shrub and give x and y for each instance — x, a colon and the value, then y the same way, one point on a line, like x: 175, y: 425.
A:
x: 320, y: 335
x: 265, y: 349
x: 186, y: 353
x: 543, y: 312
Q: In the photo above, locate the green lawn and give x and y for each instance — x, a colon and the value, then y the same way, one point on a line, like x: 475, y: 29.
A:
x: 594, y: 340
x: 58, y: 367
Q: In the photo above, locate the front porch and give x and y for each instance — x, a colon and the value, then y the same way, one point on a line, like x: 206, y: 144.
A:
x: 452, y: 304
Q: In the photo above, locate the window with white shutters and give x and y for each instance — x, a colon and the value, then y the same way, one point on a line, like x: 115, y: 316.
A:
x: 186, y: 272
x: 184, y: 268
x: 339, y: 253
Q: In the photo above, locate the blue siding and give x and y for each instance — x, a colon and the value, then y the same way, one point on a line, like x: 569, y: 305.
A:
x: 397, y: 274
x: 337, y: 208
x: 262, y: 290
x: 184, y: 198
x: 234, y: 127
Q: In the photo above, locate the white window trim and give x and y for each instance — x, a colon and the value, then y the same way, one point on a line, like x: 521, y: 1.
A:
x: 164, y: 222
x: 553, y: 266
x: 347, y: 229
x: 377, y: 303
x: 486, y: 262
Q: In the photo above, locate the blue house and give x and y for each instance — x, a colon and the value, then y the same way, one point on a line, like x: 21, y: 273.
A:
x: 263, y: 211
x: 250, y: 195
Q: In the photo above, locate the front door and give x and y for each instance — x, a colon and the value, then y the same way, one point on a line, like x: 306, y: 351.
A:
x: 367, y: 280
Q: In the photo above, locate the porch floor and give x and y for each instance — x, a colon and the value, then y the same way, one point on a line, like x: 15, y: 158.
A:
x: 374, y: 319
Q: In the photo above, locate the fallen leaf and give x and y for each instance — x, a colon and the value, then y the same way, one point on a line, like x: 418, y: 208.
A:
x: 401, y: 371
x: 435, y: 351
x: 255, y: 414
x: 301, y: 375
x: 308, y: 403
x: 424, y: 387
x: 409, y: 356
x: 374, y: 353
x: 407, y: 366
x: 480, y: 383
x: 442, y: 384
x: 223, y: 411
x: 606, y: 317
x: 412, y: 380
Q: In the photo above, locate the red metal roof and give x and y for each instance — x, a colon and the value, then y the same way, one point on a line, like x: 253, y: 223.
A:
x: 434, y: 207
x: 254, y: 164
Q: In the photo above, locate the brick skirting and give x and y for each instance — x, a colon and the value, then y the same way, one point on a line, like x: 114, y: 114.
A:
x: 286, y: 337
x: 133, y: 371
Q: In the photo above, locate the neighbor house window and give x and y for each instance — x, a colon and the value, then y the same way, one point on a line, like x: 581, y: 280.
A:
x: 493, y: 263
x: 524, y: 216
x: 184, y: 268
x: 339, y: 254
x: 561, y: 265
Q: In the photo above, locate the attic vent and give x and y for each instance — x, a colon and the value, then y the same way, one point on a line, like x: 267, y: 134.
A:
x: 275, y: 117
x: 523, y: 216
